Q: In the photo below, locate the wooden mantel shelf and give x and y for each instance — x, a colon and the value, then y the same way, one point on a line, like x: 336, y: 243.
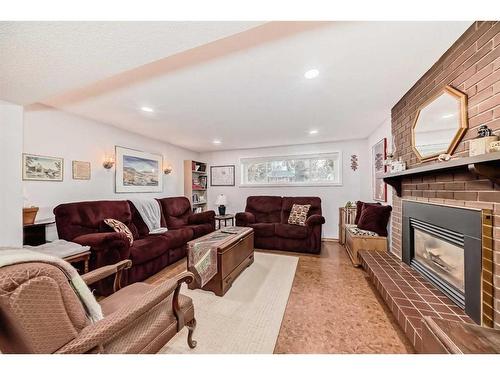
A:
x: 485, y: 166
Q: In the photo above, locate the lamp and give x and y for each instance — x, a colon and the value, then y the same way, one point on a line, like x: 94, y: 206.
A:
x: 108, y: 162
x: 221, y: 201
x: 167, y: 169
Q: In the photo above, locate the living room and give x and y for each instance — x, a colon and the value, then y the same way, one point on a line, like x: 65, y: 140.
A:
x: 304, y: 186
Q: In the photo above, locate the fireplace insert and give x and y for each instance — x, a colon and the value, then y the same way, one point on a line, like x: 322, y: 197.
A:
x: 444, y: 245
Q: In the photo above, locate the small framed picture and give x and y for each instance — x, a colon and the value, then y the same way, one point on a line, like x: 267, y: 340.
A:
x: 81, y: 170
x: 222, y: 175
x: 42, y: 168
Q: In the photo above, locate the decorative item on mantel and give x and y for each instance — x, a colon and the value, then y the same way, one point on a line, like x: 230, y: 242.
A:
x: 354, y: 162
x: 221, y: 201
x: 494, y: 147
x: 481, y: 144
x: 398, y: 166
x: 444, y: 157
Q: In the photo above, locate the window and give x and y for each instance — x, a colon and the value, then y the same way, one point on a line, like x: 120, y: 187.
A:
x: 298, y: 170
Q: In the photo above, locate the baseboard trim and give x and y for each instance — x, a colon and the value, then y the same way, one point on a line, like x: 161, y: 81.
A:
x: 329, y: 239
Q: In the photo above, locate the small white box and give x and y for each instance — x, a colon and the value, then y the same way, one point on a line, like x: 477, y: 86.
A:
x: 480, y: 146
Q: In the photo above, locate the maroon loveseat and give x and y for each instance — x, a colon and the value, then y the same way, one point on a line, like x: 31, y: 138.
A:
x: 268, y: 216
x: 83, y: 222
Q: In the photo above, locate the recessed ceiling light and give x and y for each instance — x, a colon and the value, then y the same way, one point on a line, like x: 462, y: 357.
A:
x: 312, y: 132
x: 312, y: 73
x: 147, y: 109
x: 216, y: 142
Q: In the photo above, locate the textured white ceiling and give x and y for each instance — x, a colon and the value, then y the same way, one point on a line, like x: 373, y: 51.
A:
x: 42, y: 59
x: 248, y: 89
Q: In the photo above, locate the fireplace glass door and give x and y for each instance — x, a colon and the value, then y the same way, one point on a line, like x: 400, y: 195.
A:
x: 444, y: 259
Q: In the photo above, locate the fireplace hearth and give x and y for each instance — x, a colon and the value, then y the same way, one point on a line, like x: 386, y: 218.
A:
x: 444, y: 244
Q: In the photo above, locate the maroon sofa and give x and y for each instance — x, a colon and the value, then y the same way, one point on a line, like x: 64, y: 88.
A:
x: 268, y: 216
x: 83, y: 223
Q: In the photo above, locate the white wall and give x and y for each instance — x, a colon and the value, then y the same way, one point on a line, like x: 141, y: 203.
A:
x: 11, y: 196
x: 50, y: 132
x: 354, y: 183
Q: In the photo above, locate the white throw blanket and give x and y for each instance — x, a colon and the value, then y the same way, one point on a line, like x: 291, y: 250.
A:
x: 59, y: 248
x: 150, y: 211
x: 12, y: 256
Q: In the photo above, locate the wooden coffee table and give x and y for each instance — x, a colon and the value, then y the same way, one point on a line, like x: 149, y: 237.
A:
x: 234, y: 254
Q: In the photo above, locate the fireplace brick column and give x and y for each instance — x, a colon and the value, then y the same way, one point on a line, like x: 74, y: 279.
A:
x: 472, y: 65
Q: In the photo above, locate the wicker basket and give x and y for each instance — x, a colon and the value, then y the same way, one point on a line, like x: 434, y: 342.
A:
x: 29, y: 215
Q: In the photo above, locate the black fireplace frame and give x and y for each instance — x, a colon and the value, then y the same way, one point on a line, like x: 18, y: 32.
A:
x: 466, y: 222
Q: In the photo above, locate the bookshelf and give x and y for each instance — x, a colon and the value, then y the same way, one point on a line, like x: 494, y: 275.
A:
x: 195, y: 184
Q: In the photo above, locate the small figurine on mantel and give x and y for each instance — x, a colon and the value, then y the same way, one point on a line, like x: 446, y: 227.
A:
x: 481, y: 144
x: 484, y: 131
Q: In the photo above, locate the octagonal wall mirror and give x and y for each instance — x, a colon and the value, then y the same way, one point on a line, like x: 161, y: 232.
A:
x: 440, y: 124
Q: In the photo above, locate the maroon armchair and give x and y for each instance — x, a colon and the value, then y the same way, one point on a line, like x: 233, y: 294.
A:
x: 177, y: 213
x: 268, y: 216
x: 83, y: 223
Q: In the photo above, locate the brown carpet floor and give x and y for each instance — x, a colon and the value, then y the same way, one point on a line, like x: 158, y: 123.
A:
x: 332, y: 308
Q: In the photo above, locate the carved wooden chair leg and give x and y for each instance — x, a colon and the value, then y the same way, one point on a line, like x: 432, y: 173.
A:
x: 191, y: 325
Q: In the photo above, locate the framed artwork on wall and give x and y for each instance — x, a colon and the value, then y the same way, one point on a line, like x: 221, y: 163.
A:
x: 222, y: 175
x: 81, y: 170
x: 379, y: 187
x: 42, y: 168
x: 138, y: 171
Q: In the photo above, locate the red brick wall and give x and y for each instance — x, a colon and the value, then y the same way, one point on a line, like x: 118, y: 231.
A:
x: 472, y: 65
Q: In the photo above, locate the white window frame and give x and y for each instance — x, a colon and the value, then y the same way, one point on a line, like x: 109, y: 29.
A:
x: 336, y: 154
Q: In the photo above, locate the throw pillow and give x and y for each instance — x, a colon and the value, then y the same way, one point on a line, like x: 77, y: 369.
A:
x: 359, y: 208
x: 298, y: 214
x: 119, y: 227
x: 375, y: 218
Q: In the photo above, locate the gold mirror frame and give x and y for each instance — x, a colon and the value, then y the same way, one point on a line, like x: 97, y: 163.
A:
x: 462, y: 98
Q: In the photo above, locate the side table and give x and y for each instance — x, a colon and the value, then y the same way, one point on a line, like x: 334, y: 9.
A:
x: 224, y: 218
x: 34, y: 234
x: 80, y: 258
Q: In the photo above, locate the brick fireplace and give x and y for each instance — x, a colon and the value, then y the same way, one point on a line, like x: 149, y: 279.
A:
x: 471, y: 65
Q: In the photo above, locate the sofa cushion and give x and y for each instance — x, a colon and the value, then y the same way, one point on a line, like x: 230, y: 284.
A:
x: 177, y: 237
x: 375, y: 218
x: 119, y: 227
x: 200, y: 229
x: 266, y: 209
x: 291, y: 231
x: 148, y: 248
x: 137, y: 221
x: 263, y: 229
x: 359, y: 208
x: 298, y: 214
x: 176, y: 211
x: 79, y: 218
x: 288, y: 203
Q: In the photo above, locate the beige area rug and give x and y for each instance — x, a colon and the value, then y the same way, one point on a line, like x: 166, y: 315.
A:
x: 248, y: 318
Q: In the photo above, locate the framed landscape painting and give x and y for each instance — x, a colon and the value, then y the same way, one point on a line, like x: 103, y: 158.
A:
x: 378, y: 169
x: 222, y: 175
x: 42, y: 168
x: 138, y: 171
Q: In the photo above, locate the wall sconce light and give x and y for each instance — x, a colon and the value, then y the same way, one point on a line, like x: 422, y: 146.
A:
x: 167, y: 169
x: 108, y: 162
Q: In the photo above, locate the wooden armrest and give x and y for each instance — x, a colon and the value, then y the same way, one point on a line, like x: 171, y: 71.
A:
x: 103, y: 272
